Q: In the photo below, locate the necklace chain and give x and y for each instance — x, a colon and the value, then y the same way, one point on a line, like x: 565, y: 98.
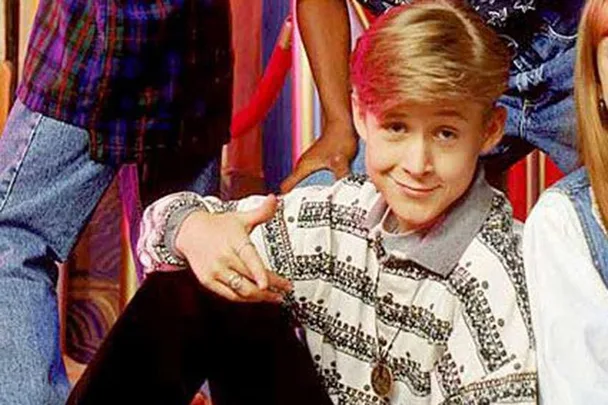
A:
x: 382, y: 357
x: 382, y: 378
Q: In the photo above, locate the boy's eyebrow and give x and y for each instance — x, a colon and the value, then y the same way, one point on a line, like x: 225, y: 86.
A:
x: 440, y: 113
x: 451, y: 113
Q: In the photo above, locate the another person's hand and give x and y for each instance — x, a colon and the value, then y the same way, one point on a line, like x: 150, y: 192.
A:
x: 219, y: 251
x: 334, y: 150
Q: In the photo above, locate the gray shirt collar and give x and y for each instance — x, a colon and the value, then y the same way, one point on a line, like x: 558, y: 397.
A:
x: 438, y: 249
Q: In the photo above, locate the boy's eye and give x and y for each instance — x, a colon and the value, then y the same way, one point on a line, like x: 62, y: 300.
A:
x: 446, y: 134
x: 397, y: 127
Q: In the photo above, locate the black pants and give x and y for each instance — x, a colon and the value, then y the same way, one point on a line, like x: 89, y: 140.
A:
x: 174, y: 335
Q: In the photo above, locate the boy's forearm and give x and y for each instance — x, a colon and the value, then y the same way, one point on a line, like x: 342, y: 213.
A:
x: 325, y: 31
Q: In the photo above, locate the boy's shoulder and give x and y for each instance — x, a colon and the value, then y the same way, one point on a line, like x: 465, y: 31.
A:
x: 492, y: 251
x: 344, y: 206
x: 498, y: 238
x: 492, y: 266
x: 352, y: 190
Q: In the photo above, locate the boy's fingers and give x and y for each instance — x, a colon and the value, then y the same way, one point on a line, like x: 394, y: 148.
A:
x: 247, y: 290
x: 275, y: 282
x: 235, y: 263
x: 250, y: 257
x: 224, y: 291
x: 279, y: 283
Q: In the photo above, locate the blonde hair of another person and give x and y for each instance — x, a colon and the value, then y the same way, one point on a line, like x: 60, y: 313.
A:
x: 436, y: 50
x: 592, y: 126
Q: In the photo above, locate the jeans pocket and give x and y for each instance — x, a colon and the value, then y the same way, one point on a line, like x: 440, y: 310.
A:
x: 14, y: 144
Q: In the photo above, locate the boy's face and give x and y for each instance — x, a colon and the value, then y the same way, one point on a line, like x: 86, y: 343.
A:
x: 423, y: 157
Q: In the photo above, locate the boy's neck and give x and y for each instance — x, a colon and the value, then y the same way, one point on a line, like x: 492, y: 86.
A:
x: 390, y: 224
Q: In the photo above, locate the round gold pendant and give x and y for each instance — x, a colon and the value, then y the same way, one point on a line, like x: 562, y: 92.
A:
x: 382, y: 379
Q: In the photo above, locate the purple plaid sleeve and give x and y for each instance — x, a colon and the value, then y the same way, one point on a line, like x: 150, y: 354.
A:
x: 139, y: 75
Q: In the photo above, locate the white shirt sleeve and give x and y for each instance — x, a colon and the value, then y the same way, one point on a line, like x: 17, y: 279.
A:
x: 164, y: 217
x: 569, y: 303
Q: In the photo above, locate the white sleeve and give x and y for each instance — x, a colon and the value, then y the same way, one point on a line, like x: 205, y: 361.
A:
x: 569, y: 303
x: 162, y: 219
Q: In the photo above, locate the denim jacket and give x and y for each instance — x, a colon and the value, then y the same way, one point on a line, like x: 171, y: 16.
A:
x: 577, y: 188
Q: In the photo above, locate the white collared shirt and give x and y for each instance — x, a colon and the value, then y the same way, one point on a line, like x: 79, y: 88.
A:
x: 454, y: 299
x: 569, y: 305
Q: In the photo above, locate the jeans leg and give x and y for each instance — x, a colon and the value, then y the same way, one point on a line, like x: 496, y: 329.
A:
x: 174, y: 334
x: 48, y: 189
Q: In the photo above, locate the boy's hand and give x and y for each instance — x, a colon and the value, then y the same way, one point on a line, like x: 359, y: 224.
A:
x: 218, y: 248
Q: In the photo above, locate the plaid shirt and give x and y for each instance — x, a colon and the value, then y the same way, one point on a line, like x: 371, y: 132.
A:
x: 139, y: 75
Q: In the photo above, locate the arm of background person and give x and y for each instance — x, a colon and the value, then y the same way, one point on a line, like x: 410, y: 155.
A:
x: 325, y: 30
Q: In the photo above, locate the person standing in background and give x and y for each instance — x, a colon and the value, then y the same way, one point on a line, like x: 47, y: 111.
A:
x: 104, y: 84
x: 566, y: 243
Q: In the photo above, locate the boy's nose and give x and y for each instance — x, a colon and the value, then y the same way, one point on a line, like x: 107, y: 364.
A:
x: 416, y: 160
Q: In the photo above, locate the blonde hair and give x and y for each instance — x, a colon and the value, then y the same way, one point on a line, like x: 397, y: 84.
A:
x: 592, y: 131
x: 428, y: 51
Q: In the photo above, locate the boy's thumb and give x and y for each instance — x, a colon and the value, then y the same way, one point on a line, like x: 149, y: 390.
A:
x: 260, y: 214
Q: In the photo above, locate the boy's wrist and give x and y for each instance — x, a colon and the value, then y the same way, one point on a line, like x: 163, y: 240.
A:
x: 176, y: 236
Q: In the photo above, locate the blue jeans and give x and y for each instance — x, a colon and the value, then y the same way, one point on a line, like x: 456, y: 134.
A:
x: 49, y: 188
x: 539, y: 101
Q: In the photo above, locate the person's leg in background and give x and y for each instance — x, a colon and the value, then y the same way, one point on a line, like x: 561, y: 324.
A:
x: 49, y: 187
x: 540, y: 100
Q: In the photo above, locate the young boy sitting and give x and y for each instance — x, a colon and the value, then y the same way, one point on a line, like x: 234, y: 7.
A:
x: 409, y: 284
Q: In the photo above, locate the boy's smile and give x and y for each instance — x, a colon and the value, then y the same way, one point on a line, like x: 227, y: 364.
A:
x: 413, y: 190
x: 423, y: 157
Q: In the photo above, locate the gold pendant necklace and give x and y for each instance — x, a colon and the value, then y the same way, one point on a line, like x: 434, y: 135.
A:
x: 382, y: 379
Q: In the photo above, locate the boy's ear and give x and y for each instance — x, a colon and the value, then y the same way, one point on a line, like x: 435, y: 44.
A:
x: 358, y: 116
x: 495, y: 128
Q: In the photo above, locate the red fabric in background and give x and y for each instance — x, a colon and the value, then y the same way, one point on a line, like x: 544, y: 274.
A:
x: 517, y: 189
x: 552, y: 173
x: 266, y: 93
x: 517, y: 185
x: 369, y: 15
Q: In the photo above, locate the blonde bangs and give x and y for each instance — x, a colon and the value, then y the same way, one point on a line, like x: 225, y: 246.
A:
x: 435, y: 50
